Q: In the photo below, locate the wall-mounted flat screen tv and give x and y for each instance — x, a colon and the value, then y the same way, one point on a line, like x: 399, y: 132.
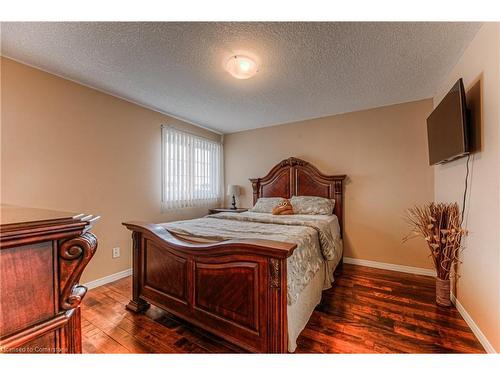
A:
x: 447, y: 127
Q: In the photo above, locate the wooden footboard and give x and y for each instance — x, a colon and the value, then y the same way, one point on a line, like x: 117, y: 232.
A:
x: 234, y: 289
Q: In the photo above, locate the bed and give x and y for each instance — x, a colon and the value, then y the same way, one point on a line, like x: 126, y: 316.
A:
x: 252, y: 278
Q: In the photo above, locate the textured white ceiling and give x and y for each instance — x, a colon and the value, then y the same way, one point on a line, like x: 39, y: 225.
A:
x: 307, y: 70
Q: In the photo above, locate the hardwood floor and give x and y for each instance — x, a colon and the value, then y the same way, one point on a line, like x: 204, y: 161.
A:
x: 367, y: 311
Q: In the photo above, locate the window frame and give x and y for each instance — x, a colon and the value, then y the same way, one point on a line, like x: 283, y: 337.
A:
x: 191, y: 201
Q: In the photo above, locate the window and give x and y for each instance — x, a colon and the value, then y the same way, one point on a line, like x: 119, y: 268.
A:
x: 191, y: 169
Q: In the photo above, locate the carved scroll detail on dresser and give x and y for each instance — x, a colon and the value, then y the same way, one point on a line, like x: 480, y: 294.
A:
x: 74, y: 255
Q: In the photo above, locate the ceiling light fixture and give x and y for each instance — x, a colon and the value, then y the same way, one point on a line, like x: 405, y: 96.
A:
x: 241, y: 67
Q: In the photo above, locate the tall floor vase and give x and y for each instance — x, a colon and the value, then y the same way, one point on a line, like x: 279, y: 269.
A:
x: 443, y: 292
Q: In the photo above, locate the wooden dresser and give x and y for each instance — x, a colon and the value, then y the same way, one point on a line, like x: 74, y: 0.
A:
x: 42, y: 256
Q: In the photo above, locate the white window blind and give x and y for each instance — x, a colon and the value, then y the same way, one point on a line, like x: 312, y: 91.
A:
x: 191, y: 169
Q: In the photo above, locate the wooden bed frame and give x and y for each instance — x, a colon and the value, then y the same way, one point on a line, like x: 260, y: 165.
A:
x: 234, y: 289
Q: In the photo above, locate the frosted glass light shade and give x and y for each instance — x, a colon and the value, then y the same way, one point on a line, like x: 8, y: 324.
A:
x: 241, y: 67
x: 233, y: 190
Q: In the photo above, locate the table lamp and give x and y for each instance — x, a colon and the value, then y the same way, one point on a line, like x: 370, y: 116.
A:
x: 234, y: 191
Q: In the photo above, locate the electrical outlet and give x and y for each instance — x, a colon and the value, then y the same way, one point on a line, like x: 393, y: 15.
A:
x: 116, y: 252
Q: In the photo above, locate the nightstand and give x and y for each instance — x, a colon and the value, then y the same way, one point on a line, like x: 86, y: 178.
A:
x: 218, y: 210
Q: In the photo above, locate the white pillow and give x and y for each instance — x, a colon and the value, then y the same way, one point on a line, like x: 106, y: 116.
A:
x: 266, y: 205
x: 311, y: 205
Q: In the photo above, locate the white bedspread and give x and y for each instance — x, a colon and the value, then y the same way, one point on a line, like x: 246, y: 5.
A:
x: 317, y: 238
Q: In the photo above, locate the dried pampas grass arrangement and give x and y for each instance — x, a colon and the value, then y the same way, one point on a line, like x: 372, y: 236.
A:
x: 441, y: 227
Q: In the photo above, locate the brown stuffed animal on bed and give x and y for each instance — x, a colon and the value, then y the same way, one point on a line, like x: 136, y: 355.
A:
x: 283, y: 208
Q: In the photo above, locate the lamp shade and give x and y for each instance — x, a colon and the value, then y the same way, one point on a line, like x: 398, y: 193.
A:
x: 233, y: 190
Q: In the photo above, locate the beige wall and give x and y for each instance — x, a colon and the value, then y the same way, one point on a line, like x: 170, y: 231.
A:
x: 478, y: 289
x: 68, y: 147
x: 384, y: 153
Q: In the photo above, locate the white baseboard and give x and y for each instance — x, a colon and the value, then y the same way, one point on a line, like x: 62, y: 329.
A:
x: 473, y: 326
x: 108, y: 279
x: 391, y: 267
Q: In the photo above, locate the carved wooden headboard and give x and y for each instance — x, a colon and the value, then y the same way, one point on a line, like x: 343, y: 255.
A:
x: 294, y: 176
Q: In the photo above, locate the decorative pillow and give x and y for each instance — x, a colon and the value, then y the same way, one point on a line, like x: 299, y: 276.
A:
x: 310, y: 205
x: 266, y: 205
x: 283, y: 208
